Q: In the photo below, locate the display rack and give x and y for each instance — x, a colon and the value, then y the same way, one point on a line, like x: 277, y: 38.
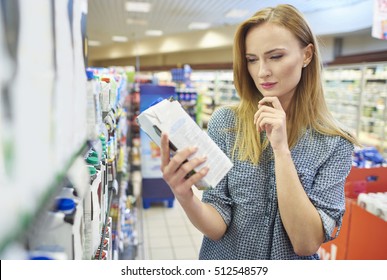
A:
x: 343, y: 87
x: 27, y: 220
x: 216, y: 89
x: 357, y: 96
x: 362, y: 234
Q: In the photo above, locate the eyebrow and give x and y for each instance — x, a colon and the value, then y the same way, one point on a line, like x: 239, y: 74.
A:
x: 269, y: 52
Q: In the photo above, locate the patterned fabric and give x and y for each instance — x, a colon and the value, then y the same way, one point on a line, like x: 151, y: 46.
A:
x: 247, y: 199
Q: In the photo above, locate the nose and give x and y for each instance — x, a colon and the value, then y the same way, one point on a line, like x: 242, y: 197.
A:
x: 264, y: 70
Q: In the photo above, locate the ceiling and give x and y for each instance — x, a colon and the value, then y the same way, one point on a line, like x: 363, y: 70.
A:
x: 107, y: 18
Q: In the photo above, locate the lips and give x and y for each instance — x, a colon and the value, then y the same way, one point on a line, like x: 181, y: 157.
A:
x: 268, y: 85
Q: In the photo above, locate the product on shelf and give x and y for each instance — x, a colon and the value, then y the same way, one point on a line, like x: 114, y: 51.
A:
x: 61, y: 227
x: 357, y: 97
x: 362, y: 234
x: 368, y: 157
x: 375, y: 203
x: 169, y: 116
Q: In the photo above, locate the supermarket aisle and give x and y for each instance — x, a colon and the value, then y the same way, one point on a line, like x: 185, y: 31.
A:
x: 168, y: 234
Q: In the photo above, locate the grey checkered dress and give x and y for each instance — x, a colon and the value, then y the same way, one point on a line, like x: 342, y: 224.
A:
x: 247, y: 199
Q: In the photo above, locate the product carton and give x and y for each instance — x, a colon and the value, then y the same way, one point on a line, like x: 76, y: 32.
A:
x: 170, y: 117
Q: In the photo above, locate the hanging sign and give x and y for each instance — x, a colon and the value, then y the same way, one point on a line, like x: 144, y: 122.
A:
x: 379, y: 26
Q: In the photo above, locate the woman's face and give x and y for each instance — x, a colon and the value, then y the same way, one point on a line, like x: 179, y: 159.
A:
x: 275, y: 60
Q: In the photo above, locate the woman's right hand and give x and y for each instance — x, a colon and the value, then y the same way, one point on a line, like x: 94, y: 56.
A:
x: 176, y: 168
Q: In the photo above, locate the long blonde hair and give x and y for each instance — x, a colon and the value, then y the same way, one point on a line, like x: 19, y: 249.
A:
x: 307, y: 109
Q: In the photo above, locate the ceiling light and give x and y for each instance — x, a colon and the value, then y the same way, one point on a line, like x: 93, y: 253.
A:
x: 199, y: 25
x: 120, y: 39
x: 136, y: 21
x: 235, y: 13
x: 92, y: 43
x: 141, y: 7
x: 153, y: 32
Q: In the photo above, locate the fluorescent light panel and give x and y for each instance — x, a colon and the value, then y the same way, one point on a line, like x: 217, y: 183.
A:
x: 93, y: 43
x: 140, y: 7
x: 236, y: 13
x: 137, y: 21
x: 120, y: 39
x: 199, y: 25
x: 153, y: 32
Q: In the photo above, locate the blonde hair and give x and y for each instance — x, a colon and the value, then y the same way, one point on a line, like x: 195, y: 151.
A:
x: 307, y: 109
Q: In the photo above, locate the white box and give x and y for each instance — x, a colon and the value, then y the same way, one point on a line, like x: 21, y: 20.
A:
x: 92, y: 218
x: 169, y: 116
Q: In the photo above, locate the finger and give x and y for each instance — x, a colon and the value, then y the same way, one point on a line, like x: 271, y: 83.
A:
x: 181, y: 156
x: 263, y: 115
x: 188, y: 168
x: 165, y: 152
x: 183, y: 176
x: 272, y: 100
x: 264, y: 120
x: 197, y: 176
x: 263, y: 109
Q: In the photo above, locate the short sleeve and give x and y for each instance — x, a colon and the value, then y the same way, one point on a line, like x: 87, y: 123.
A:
x: 219, y: 197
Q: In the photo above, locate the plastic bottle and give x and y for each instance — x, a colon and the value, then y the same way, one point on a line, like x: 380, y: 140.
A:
x: 94, y: 162
x: 105, y: 94
x: 56, y: 228
x: 93, y: 173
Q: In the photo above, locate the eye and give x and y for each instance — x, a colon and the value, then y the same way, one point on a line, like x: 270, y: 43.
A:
x: 251, y: 59
x: 276, y: 57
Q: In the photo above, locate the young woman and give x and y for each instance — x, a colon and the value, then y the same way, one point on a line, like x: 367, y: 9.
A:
x: 284, y: 195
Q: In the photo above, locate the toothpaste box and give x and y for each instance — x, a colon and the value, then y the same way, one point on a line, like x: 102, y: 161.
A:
x: 170, y: 117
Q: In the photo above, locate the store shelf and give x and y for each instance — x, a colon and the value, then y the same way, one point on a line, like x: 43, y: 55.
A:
x: 29, y: 218
x: 362, y: 235
x: 357, y: 96
x: 217, y: 89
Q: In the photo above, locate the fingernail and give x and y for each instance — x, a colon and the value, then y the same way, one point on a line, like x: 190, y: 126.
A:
x: 204, y: 170
x: 193, y: 149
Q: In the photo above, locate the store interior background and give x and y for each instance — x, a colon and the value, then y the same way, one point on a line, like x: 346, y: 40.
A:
x: 343, y: 28
x: 135, y: 48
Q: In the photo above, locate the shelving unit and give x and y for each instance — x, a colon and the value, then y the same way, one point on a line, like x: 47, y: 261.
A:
x: 357, y: 96
x: 216, y: 89
x: 98, y: 230
x: 343, y: 87
x: 16, y: 236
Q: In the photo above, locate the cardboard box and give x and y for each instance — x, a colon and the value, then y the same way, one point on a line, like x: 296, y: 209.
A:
x: 169, y: 116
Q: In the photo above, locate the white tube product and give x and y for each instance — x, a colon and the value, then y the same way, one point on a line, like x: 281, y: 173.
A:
x: 366, y: 201
x: 105, y: 96
x: 58, y: 229
x: 109, y: 236
x: 78, y: 227
x: 103, y: 193
x: 79, y: 176
x: 381, y: 210
x: 31, y: 97
x: 63, y: 100
x: 10, y: 194
x: 79, y: 107
x: 92, y: 127
x: 92, y: 213
x: 375, y: 203
x: 381, y: 206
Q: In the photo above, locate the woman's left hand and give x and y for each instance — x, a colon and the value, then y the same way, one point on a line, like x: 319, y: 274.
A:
x: 273, y: 121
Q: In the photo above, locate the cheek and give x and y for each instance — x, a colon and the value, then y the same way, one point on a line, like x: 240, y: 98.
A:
x: 252, y: 75
x: 290, y: 72
x: 250, y: 69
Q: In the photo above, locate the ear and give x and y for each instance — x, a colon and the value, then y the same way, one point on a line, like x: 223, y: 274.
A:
x: 308, y: 54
